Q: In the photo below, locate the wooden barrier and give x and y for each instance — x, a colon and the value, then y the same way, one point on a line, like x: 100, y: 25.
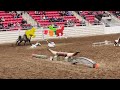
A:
x: 102, y: 43
x: 39, y: 56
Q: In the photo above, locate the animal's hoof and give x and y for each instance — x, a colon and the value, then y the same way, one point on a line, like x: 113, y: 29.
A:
x: 51, y: 58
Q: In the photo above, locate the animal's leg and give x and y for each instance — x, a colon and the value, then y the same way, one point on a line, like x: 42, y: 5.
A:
x: 24, y: 42
x: 118, y: 43
x: 115, y: 43
x: 30, y: 42
x: 51, y: 58
x: 55, y: 57
x: 66, y: 58
x: 19, y: 43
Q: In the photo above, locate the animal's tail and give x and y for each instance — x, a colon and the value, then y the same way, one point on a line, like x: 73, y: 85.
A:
x: 53, y: 52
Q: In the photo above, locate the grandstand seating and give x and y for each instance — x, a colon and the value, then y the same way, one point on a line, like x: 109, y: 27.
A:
x: 90, y: 16
x: 116, y: 13
x: 9, y: 18
x: 44, y: 18
x: 50, y: 14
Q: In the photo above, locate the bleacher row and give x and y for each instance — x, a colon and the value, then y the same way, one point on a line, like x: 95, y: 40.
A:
x: 9, y: 18
x: 52, y: 14
x: 116, y: 13
x: 90, y: 16
x: 44, y: 18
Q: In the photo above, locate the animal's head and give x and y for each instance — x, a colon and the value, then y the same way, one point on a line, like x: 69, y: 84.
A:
x: 75, y: 53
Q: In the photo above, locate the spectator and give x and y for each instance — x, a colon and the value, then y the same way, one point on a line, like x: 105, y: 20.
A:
x: 71, y: 22
x: 55, y: 25
x: 51, y: 19
x: 2, y: 19
x: 76, y: 20
x: 61, y: 20
x: 24, y: 21
x: 66, y: 23
x: 82, y: 22
x: 107, y: 25
x: 44, y: 13
x: 55, y: 19
x: 10, y: 24
x: 18, y: 15
x: 70, y: 13
x: 109, y: 18
x: 14, y: 25
x: 61, y: 14
x: 58, y: 19
x: 99, y: 17
x: 41, y: 18
x: 80, y: 11
x: 89, y: 13
x: 44, y: 18
x: 40, y: 13
x: 7, y: 11
x: 37, y: 12
x: 95, y: 22
x: 18, y: 24
x: 19, y: 12
x: 38, y: 24
x: 1, y: 26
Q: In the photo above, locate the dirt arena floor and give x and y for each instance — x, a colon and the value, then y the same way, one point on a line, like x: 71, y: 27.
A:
x: 16, y: 62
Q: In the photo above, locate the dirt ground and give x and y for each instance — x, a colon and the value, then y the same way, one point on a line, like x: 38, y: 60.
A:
x: 16, y: 62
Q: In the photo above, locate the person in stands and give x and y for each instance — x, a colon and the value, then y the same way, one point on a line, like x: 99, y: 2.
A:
x: 38, y: 24
x: 2, y: 19
x: 1, y: 26
x: 43, y: 13
x: 18, y: 24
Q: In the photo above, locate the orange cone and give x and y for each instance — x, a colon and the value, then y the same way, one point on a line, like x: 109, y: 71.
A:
x: 96, y: 65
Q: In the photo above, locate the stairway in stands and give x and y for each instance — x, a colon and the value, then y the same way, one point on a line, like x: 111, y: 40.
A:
x: 29, y: 19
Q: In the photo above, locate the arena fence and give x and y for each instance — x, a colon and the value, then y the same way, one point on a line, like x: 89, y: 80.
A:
x: 11, y: 36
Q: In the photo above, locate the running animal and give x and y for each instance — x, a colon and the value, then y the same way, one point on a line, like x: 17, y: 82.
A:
x: 117, y: 42
x: 23, y: 38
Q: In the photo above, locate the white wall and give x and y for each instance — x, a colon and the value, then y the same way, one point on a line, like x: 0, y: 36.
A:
x: 112, y: 30
x: 11, y: 36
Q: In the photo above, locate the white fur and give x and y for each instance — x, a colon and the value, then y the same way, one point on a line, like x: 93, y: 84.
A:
x: 51, y: 44
x: 35, y: 45
x: 116, y: 40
